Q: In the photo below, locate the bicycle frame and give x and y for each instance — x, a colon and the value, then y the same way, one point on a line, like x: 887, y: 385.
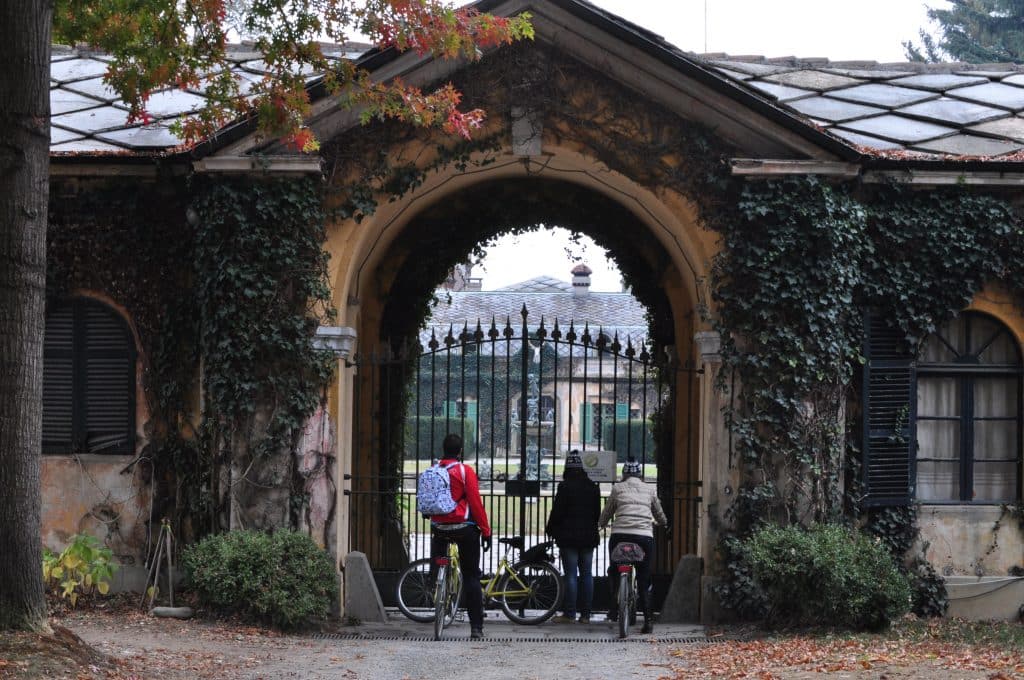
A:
x: 528, y: 592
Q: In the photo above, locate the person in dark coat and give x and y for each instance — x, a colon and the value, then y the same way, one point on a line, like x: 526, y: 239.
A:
x: 573, y: 525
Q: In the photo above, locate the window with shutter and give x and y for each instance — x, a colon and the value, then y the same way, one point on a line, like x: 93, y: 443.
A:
x: 88, y: 380
x: 888, y: 417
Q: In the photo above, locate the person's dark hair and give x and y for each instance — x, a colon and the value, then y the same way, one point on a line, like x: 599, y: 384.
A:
x: 452, y: 446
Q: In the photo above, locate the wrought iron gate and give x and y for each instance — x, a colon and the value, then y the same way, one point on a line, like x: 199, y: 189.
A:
x: 521, y: 399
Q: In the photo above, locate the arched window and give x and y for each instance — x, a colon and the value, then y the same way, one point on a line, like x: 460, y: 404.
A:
x: 969, y: 413
x: 88, y: 380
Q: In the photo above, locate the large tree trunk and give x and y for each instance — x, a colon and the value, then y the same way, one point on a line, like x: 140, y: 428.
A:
x: 24, y: 191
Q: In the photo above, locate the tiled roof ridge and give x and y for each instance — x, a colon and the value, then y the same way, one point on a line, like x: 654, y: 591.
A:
x: 824, y: 62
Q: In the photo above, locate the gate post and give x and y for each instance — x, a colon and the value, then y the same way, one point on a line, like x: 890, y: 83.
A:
x: 343, y: 472
x: 718, y: 474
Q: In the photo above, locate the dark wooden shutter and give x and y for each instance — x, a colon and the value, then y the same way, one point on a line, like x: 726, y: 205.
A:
x: 109, y: 382
x: 88, y: 380
x: 58, y: 381
x: 890, y: 410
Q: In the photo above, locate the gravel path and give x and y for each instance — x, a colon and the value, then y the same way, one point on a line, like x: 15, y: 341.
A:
x: 165, y: 648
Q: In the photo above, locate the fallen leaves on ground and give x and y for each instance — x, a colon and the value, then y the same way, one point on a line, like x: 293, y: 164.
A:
x: 781, y: 658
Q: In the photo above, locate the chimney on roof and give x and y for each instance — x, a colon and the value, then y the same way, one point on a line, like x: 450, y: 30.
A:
x: 581, y: 279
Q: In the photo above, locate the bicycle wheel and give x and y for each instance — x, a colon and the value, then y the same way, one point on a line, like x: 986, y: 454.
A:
x: 415, y: 592
x: 625, y: 603
x: 440, y: 600
x: 454, y: 594
x: 535, y: 589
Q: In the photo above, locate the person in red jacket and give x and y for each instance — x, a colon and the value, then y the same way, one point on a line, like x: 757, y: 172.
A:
x: 467, y: 526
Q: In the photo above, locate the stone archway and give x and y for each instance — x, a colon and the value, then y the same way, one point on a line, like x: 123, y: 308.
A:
x: 398, y: 256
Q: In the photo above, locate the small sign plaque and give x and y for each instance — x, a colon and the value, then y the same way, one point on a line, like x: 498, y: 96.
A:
x: 600, y: 465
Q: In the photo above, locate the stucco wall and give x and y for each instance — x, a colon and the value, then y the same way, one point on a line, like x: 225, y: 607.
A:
x: 97, y: 495
x: 962, y: 540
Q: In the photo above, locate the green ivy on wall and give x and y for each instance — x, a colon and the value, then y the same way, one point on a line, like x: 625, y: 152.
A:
x: 261, y: 287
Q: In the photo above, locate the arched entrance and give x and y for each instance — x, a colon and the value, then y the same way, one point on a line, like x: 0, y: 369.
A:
x: 407, y: 249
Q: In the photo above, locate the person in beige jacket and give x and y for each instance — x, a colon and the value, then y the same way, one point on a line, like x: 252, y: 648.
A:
x: 633, y: 509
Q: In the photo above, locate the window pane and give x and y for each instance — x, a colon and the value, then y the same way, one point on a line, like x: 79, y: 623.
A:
x: 995, y: 439
x: 1001, y: 348
x: 934, y: 351
x: 995, y: 397
x: 995, y: 481
x: 938, y: 439
x: 938, y: 397
x: 938, y: 481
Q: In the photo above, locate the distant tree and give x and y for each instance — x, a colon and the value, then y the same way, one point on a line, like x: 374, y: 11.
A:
x: 974, y: 31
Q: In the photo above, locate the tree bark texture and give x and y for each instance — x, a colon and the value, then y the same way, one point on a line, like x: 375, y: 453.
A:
x: 24, y: 191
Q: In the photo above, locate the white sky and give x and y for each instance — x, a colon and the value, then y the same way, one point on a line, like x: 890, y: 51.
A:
x: 836, y: 29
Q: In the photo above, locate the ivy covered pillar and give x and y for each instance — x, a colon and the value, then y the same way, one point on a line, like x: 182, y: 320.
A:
x: 260, y: 279
x: 718, y: 474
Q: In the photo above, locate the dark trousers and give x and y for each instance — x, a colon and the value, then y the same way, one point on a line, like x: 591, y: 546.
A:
x: 643, y: 569
x: 468, y: 540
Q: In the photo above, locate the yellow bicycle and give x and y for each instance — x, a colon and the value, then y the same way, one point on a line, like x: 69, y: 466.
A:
x: 529, y: 590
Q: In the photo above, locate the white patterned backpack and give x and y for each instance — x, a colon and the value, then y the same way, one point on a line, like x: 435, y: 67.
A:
x: 434, y: 491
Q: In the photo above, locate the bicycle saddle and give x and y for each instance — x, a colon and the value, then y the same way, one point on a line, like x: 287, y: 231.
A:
x: 516, y: 542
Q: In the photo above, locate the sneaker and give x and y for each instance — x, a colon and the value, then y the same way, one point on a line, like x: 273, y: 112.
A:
x: 476, y: 633
x: 563, y: 618
x: 584, y: 619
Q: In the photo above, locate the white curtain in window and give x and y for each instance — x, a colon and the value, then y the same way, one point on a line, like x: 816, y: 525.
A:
x: 938, y: 398
x: 995, y: 439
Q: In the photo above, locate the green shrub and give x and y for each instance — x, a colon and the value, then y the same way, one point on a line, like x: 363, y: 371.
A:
x: 826, y: 575
x: 83, y: 567
x: 283, y: 578
x: 417, y: 435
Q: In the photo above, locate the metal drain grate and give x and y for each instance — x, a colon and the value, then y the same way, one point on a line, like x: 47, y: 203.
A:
x: 689, y: 640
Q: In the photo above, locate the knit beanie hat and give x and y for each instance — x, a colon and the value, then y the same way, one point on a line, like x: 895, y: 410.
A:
x: 631, y: 468
x: 573, y: 460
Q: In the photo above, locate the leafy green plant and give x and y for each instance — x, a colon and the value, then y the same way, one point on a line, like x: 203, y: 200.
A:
x: 825, y: 575
x: 282, y: 578
x: 85, y: 566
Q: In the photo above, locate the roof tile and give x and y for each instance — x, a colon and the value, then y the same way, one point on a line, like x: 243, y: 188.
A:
x: 813, y: 80
x: 898, y: 128
x: 148, y: 137
x: 946, y: 110
x: 834, y: 110
x: 85, y: 145
x: 1013, y: 128
x: 969, y: 145
x: 865, y: 140
x: 100, y: 118
x: 76, y: 69
x: 881, y: 94
x: 781, y: 92
x: 65, y: 101
x: 940, y: 82
x: 993, y: 94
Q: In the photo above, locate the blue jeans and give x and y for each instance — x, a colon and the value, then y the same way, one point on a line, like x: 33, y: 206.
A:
x: 582, y: 586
